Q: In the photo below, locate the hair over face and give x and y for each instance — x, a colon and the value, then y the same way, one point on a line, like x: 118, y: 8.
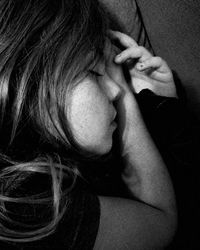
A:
x: 45, y: 47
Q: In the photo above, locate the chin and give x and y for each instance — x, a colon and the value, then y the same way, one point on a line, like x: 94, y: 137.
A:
x: 106, y: 147
x: 103, y: 148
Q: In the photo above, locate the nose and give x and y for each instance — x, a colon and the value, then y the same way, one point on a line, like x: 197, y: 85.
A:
x: 113, y: 90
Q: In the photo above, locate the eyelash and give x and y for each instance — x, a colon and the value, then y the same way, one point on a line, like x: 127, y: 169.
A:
x: 95, y: 73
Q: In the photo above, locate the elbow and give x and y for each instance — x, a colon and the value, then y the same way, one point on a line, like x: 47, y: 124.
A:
x: 170, y: 224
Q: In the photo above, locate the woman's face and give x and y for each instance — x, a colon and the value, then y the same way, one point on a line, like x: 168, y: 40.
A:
x: 91, y: 112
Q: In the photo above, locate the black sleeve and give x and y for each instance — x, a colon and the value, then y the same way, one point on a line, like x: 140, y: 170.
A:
x: 176, y: 133
x: 173, y: 128
x: 76, y: 230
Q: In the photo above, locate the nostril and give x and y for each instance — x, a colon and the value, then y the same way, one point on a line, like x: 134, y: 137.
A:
x: 115, y: 103
x: 118, y: 94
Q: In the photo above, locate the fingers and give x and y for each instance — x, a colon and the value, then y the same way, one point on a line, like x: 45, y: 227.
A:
x: 132, y: 51
x: 153, y: 62
x: 138, y: 52
x: 124, y: 39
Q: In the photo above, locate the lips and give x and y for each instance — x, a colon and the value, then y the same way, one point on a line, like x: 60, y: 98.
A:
x: 114, y: 115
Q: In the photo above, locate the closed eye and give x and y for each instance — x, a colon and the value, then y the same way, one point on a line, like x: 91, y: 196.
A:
x: 95, y: 73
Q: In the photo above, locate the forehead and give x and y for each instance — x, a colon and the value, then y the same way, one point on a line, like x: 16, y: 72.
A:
x: 110, y: 51
x: 100, y: 63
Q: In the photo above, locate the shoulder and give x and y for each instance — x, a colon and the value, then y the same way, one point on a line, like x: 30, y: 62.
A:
x: 128, y: 224
x: 82, y: 218
x: 76, y: 229
x: 92, y: 222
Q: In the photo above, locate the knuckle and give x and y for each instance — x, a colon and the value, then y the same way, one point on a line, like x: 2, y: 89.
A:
x: 158, y: 59
x: 144, y: 51
x: 141, y: 48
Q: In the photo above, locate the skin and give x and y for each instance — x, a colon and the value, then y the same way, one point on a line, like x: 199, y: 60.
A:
x: 92, y: 111
x: 149, y: 222
x: 92, y: 114
x: 150, y: 72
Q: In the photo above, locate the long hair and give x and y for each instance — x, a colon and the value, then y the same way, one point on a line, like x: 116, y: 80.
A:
x: 45, y: 47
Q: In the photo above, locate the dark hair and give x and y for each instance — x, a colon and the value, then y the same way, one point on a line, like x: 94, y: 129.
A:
x: 45, y: 47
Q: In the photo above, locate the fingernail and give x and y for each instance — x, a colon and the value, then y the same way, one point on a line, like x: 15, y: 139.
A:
x: 117, y: 58
x: 140, y: 66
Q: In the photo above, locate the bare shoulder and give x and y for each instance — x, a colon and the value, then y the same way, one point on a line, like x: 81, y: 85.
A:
x: 128, y: 224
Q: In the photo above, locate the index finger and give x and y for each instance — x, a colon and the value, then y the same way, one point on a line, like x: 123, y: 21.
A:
x: 124, y: 39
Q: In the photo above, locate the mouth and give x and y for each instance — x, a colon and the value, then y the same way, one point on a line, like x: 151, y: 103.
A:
x: 114, y: 114
x: 113, y: 120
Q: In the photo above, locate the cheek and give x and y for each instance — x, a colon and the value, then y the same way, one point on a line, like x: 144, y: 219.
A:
x: 87, y: 120
x: 90, y: 121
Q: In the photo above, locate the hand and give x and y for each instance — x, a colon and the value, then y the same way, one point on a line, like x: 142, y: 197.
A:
x: 148, y: 72
x: 125, y: 103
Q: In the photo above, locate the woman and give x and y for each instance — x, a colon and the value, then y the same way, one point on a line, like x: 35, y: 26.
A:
x: 62, y: 87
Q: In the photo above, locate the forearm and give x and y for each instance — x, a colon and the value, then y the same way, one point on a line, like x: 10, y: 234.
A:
x: 145, y: 173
